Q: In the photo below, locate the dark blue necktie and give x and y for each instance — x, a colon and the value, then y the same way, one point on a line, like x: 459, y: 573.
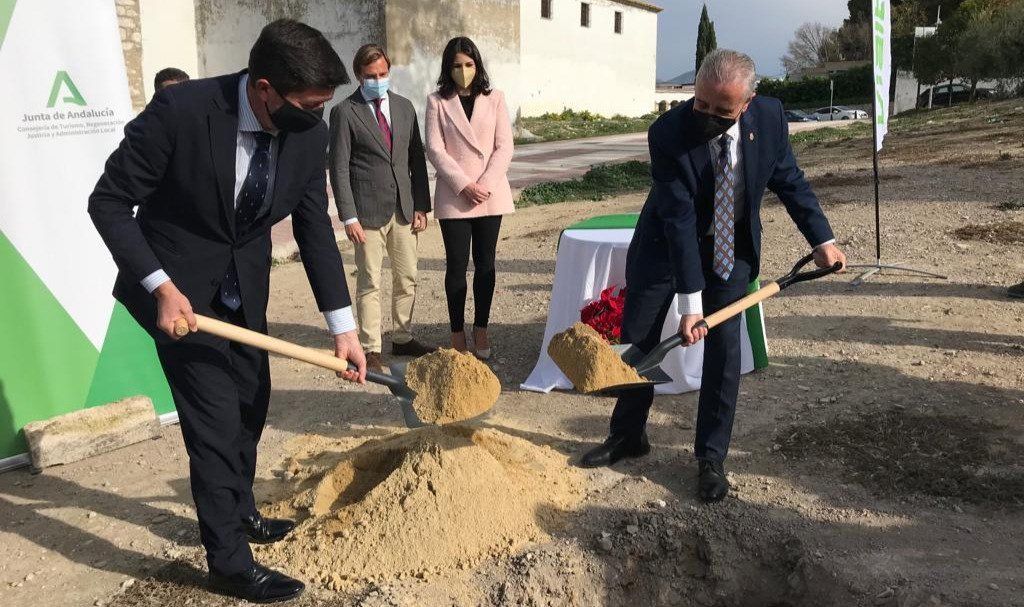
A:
x: 250, y: 201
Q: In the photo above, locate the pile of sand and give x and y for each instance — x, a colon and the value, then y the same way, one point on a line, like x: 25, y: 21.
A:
x: 423, y: 502
x: 451, y: 386
x: 588, y: 361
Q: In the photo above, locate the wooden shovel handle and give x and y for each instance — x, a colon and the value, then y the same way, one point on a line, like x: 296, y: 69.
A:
x: 263, y: 342
x: 740, y: 305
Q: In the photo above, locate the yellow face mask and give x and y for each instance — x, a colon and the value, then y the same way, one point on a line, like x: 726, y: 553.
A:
x: 463, y: 76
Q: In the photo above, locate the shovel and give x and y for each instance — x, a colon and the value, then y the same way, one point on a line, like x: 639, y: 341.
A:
x: 647, y: 364
x: 395, y: 382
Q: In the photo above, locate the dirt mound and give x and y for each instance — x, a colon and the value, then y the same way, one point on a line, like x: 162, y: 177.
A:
x: 588, y: 361
x: 896, y: 453
x: 451, y: 386
x: 1000, y: 232
x: 425, y: 502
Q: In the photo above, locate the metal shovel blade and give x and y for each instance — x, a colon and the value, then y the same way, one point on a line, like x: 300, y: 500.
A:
x: 405, y: 395
x: 633, y: 356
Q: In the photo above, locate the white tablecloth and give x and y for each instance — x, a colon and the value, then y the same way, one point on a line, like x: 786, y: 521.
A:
x: 588, y: 262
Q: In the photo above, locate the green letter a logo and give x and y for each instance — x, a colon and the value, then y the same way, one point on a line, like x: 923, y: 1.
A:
x: 62, y: 79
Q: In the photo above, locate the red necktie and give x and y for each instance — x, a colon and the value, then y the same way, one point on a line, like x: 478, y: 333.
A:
x: 382, y: 122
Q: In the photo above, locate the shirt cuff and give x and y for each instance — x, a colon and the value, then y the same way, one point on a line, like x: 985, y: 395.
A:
x: 349, y: 222
x: 690, y: 303
x: 154, y: 280
x: 340, y: 321
x: 833, y: 241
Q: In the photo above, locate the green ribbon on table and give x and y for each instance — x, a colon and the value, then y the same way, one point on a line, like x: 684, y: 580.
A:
x: 755, y: 323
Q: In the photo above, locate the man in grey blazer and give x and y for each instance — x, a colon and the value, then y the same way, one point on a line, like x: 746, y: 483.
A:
x: 379, y: 177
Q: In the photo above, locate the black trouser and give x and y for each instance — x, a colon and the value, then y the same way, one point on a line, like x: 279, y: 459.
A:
x: 461, y: 236
x: 221, y: 390
x: 643, y: 319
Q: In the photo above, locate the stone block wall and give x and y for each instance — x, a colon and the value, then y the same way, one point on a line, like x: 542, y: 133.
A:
x: 130, y: 24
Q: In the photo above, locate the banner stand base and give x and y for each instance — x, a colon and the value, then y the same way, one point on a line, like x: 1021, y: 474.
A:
x: 22, y: 459
x: 878, y: 267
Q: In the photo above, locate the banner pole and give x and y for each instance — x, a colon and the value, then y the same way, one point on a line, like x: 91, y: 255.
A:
x: 881, y: 39
x: 874, y: 162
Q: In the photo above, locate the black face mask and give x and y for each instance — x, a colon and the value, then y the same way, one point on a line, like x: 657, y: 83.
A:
x: 293, y: 119
x: 708, y: 126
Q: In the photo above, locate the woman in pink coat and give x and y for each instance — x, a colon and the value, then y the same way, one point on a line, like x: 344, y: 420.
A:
x: 469, y: 142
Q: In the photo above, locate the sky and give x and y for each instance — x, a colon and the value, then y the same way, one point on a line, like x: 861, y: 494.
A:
x: 760, y: 28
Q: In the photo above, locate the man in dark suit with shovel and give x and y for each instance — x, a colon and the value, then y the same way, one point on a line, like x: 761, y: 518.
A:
x: 699, y: 237
x: 212, y: 165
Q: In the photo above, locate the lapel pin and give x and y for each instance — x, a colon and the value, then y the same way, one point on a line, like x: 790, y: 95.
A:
x: 751, y: 136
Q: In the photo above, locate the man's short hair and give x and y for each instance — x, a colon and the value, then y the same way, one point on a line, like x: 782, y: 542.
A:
x: 293, y: 56
x: 367, y: 54
x: 728, y: 66
x: 167, y: 77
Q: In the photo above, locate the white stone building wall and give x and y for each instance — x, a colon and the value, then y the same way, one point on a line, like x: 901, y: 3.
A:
x: 168, y: 39
x: 542, y: 65
x: 565, y: 65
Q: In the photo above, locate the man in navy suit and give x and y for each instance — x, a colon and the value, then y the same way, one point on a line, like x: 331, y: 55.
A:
x: 699, y: 237
x: 212, y: 165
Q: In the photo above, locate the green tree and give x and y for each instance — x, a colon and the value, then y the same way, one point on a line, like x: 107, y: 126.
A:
x: 707, y: 41
x: 1011, y: 41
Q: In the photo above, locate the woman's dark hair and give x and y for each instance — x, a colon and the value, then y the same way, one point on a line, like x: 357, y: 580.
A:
x: 293, y: 56
x: 446, y: 86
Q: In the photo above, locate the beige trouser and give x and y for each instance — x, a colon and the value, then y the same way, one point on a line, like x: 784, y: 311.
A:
x: 398, y: 241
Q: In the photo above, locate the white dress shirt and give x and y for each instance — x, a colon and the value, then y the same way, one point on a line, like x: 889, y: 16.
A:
x: 385, y: 108
x: 691, y: 303
x: 339, y: 321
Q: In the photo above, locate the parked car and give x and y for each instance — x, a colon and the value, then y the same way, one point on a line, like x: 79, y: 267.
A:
x: 797, y: 116
x: 959, y: 92
x: 838, y: 112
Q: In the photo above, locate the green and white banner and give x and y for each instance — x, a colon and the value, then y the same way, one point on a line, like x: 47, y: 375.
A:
x: 65, y: 344
x: 882, y: 54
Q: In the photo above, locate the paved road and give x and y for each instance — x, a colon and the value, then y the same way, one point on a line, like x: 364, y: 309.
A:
x: 539, y: 162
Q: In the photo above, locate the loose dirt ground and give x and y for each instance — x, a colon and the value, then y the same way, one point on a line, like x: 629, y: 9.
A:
x: 878, y: 461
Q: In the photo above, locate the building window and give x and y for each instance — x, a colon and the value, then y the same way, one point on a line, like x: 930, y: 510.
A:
x: 585, y: 14
x: 618, y: 22
x: 545, y: 9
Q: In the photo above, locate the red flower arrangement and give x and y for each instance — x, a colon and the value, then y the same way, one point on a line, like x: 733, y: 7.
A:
x: 604, y: 315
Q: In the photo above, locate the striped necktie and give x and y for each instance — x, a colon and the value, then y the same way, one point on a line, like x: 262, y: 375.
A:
x: 725, y: 209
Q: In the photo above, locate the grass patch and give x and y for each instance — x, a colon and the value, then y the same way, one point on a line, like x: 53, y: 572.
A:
x: 599, y: 183
x: 831, y: 134
x: 896, y: 453
x: 577, y: 125
x: 1000, y: 232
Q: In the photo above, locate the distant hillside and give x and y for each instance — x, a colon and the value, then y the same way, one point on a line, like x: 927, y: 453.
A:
x: 684, y: 78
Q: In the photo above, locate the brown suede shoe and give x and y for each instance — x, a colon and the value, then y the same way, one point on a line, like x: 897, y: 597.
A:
x: 374, y: 362
x: 411, y: 348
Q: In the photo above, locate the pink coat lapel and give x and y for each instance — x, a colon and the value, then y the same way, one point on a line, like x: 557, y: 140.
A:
x: 453, y: 108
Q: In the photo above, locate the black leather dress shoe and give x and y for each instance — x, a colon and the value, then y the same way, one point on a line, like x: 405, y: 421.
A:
x: 711, y: 482
x: 267, y: 530
x: 411, y: 348
x: 614, y: 448
x: 257, y: 585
